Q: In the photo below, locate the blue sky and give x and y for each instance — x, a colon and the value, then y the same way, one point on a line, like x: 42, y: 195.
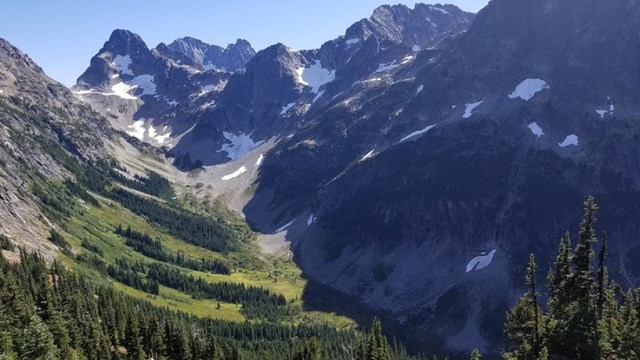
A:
x: 63, y: 35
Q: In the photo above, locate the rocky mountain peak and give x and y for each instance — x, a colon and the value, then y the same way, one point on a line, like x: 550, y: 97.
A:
x: 231, y: 58
x: 125, y: 42
x: 421, y: 27
x: 9, y: 53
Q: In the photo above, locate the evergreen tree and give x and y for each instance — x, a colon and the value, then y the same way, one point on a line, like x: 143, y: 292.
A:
x: 378, y: 347
x: 629, y: 329
x: 532, y: 296
x: 132, y: 340
x: 475, y: 354
x: 581, y: 320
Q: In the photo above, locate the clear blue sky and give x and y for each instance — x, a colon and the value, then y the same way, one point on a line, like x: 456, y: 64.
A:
x: 63, y: 35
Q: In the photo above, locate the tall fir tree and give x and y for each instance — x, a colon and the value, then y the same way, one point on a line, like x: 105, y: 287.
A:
x: 378, y: 347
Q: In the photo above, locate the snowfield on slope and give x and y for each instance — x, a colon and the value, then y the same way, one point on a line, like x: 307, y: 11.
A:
x: 480, y: 262
x: 145, y: 82
x: 122, y: 64
x: 315, y: 76
x: 138, y: 130
x: 240, y: 145
x: 286, y: 108
x: 468, y: 111
x: 416, y: 133
x: 569, y: 140
x: 527, y: 89
x: 285, y: 226
x: 535, y: 129
x: 235, y: 174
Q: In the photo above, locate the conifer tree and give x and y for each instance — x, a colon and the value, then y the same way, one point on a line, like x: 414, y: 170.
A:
x: 532, y: 296
x: 629, y: 329
x: 132, y: 340
x: 378, y: 347
x: 475, y: 354
x: 602, y: 278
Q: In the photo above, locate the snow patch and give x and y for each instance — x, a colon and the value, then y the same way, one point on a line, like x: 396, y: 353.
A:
x: 145, y: 82
x: 122, y: 90
x: 469, y: 109
x: 353, y: 41
x: 602, y: 113
x: 416, y: 48
x: 480, y: 262
x: 528, y: 89
x: 407, y: 59
x: 311, y: 220
x: 286, y: 108
x: 260, y: 160
x: 318, y: 96
x: 122, y: 64
x: 206, y: 89
x: 315, y: 76
x: 385, y: 67
x: 442, y: 11
x: 152, y: 131
x: 569, y: 140
x: 240, y: 145
x: 285, y: 226
x: 535, y: 129
x: 368, y: 155
x: 162, y: 138
x: 235, y: 174
x: 138, y: 130
x: 420, y: 88
x: 416, y: 133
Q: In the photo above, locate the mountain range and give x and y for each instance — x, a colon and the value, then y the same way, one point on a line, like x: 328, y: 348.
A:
x: 410, y: 165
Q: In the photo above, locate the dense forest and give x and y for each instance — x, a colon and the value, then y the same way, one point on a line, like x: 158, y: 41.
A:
x: 144, y: 244
x: 586, y: 316
x: 48, y: 312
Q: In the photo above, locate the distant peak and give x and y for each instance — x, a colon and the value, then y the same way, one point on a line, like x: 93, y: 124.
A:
x: 125, y: 42
x: 241, y: 42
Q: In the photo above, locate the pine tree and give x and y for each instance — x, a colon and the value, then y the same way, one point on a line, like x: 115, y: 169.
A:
x: 629, y: 329
x: 475, y: 354
x: 532, y: 296
x: 378, y: 347
x: 132, y: 340
x: 37, y: 342
x: 602, y: 277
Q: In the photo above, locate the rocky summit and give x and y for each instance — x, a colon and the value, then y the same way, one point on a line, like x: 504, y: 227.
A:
x: 407, y: 168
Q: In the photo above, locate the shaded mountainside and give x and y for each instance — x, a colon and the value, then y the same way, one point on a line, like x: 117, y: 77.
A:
x: 449, y: 163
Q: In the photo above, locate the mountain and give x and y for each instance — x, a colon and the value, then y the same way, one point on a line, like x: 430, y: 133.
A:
x: 411, y: 165
x: 95, y: 219
x: 421, y: 27
x: 151, y: 93
x: 230, y: 59
x: 425, y: 194
x: 43, y: 125
x: 267, y: 93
